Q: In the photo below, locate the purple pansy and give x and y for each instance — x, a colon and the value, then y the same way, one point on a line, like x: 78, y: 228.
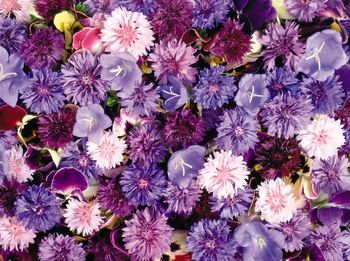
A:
x: 69, y: 179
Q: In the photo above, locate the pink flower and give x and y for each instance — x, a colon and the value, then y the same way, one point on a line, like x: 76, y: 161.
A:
x: 20, y: 8
x: 17, y: 167
x: 83, y: 217
x: 88, y: 38
x: 14, y: 235
x: 224, y: 174
x: 276, y: 201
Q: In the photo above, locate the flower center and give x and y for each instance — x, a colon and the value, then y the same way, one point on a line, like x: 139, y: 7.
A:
x: 261, y: 242
x: 211, y: 244
x: 83, y: 161
x: 322, y: 137
x: 143, y: 184
x: 213, y: 89
x: 223, y: 176
x: 278, y: 86
x: 277, y: 202
x: 126, y: 35
x: 239, y: 131
x: 43, y: 90
x: 87, y: 79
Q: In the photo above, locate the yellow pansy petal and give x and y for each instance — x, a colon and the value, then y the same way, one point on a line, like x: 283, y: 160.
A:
x: 64, y: 21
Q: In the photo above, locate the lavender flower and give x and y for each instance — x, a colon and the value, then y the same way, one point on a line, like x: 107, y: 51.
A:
x: 209, y: 13
x: 43, y: 49
x: 326, y: 96
x: 60, y: 247
x: 237, y: 131
x: 8, y: 138
x: 147, y: 7
x: 82, y: 81
x: 101, y: 6
x: 38, y: 209
x: 281, y: 81
x: 305, y: 11
x: 45, y: 93
x: 331, y: 175
x: 12, y: 34
x: 213, y: 88
x: 175, y: 94
x: 147, y: 235
x: 143, y: 184
x: 232, y: 207
x: 210, y: 240
x: 284, y: 116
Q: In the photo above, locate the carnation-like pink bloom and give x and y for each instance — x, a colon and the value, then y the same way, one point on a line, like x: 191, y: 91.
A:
x: 126, y: 31
x: 108, y: 153
x: 173, y: 58
x: 322, y: 137
x: 83, y: 217
x: 224, y: 174
x: 20, y: 8
x: 17, y: 167
x: 14, y: 235
x: 276, y: 201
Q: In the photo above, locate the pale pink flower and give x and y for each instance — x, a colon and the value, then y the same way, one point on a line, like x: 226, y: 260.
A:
x: 322, y: 137
x: 20, y: 8
x: 223, y: 174
x: 17, y: 167
x: 126, y: 31
x: 276, y: 201
x: 121, y: 123
x: 108, y: 153
x: 83, y: 217
x: 14, y: 235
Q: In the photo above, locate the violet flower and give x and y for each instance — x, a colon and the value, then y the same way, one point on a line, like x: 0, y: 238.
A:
x: 174, y: 93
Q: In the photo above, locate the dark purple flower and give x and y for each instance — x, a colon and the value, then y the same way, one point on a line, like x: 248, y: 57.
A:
x: 281, y: 81
x: 12, y: 34
x: 209, y: 13
x: 258, y: 242
x: 282, y: 42
x: 48, y: 8
x: 146, y: 144
x: 9, y: 191
x: 344, y: 77
x: 60, y: 247
x: 181, y: 200
x: 237, y: 131
x: 326, y: 96
x: 147, y: 235
x: 331, y: 175
x: 68, y: 180
x: 102, y: 6
x: 38, y: 209
x: 45, y: 93
x: 232, y: 207
x: 231, y: 43
x: 82, y: 81
x: 143, y: 184
x: 172, y: 18
x: 56, y: 130
x: 284, y: 116
x: 147, y: 7
x: 175, y: 94
x: 211, y: 240
x: 214, y: 88
x: 111, y: 197
x: 183, y: 129
x: 305, y: 11
x: 43, y: 49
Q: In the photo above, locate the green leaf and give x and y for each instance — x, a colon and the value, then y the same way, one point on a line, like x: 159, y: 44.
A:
x: 81, y: 7
x: 112, y: 101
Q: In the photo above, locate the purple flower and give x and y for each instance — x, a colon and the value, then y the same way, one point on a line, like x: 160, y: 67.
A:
x: 295, y: 231
x: 49, y: 8
x: 182, y: 200
x: 45, y: 93
x: 60, y: 247
x: 38, y: 209
x: 252, y: 92
x: 147, y: 7
x: 102, y: 6
x: 9, y: 191
x: 175, y: 94
x: 121, y: 70
x: 166, y: 20
x: 209, y: 13
x: 281, y: 81
x: 184, y: 165
x: 237, y: 131
x: 331, y: 175
x: 12, y: 77
x: 111, y: 197
x: 143, y: 184
x: 140, y: 101
x: 258, y: 242
x: 210, y: 240
x: 326, y: 96
x: 316, y: 61
x: 305, y: 11
x: 232, y: 207
x: 214, y: 88
x: 8, y: 138
x: 82, y: 81
x: 12, y: 34
x: 43, y: 49
x: 91, y: 121
x: 282, y: 42
x: 147, y: 235
x: 183, y: 129
x: 146, y: 144
x: 284, y: 116
x: 69, y: 180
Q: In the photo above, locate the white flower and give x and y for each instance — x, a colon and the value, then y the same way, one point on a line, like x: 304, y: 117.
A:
x: 17, y: 167
x: 83, y: 217
x: 276, y: 201
x: 223, y: 174
x: 322, y: 137
x: 126, y: 31
x: 108, y: 153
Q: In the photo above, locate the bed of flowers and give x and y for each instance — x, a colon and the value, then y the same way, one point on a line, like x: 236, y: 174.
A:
x: 205, y: 130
